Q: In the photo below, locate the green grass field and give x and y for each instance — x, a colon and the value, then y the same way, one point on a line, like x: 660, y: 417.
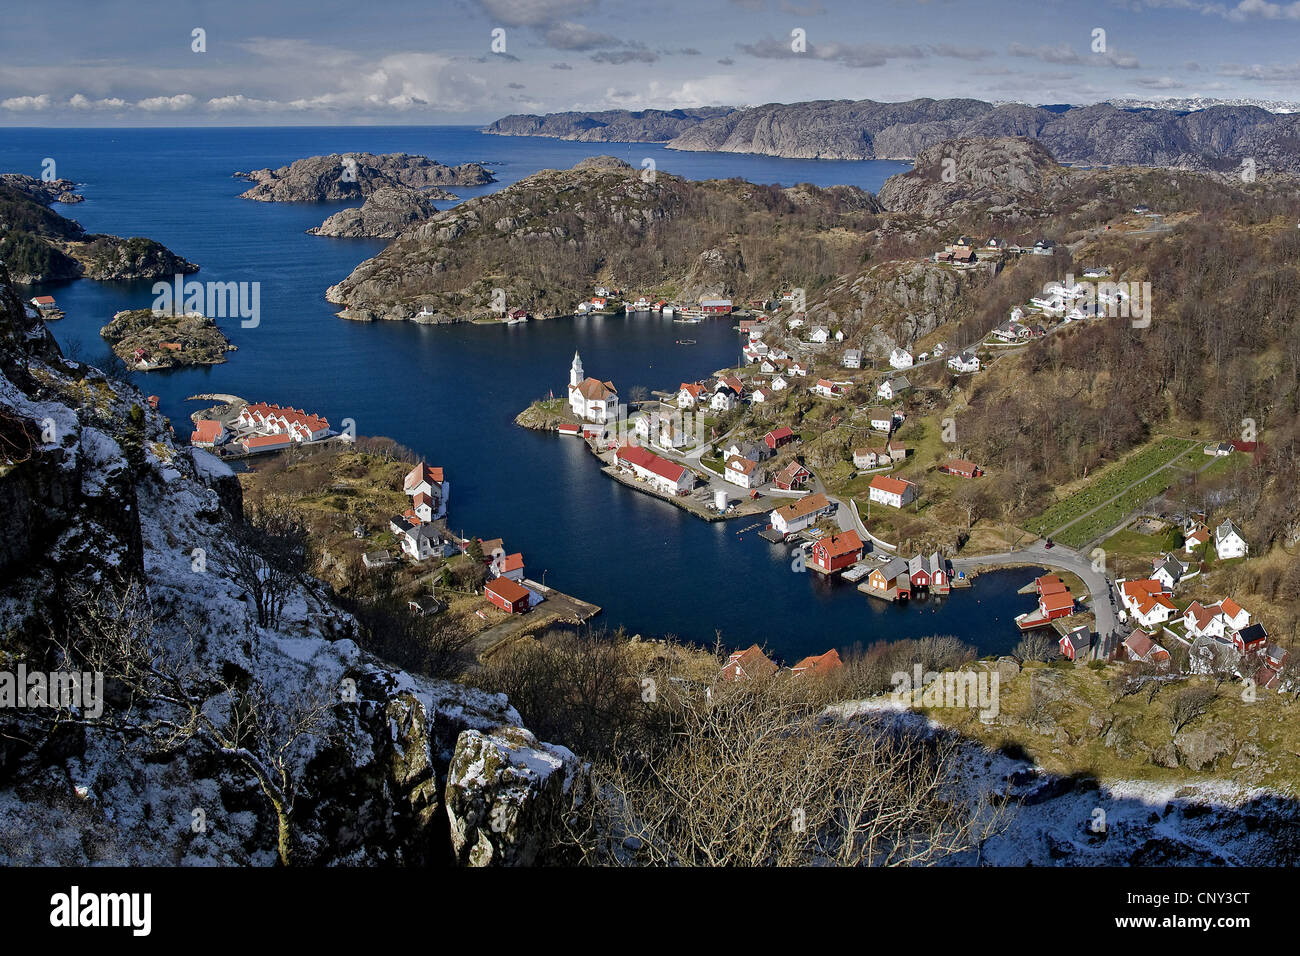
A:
x: 1107, y: 483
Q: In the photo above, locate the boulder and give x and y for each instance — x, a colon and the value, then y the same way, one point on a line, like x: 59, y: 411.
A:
x: 1199, y: 749
x: 505, y: 791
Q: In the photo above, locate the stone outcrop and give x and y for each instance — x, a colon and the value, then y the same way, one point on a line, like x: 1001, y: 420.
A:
x: 340, y: 176
x: 385, y: 213
x: 505, y: 794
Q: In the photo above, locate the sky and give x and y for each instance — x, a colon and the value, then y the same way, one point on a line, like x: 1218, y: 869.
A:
x: 338, y: 62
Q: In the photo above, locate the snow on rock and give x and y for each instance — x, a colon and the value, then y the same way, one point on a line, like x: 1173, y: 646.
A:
x: 504, y: 792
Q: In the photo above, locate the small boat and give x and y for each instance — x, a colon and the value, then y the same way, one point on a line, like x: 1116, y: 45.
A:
x: 685, y: 341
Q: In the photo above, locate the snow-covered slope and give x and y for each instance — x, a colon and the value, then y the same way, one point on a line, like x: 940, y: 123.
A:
x: 97, y: 499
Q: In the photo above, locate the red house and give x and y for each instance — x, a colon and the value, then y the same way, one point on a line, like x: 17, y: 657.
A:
x: 749, y: 664
x: 508, y: 595
x: 792, y: 476
x: 819, y: 665
x: 715, y: 306
x: 837, y: 552
x: 963, y: 468
x: 778, y: 437
x: 1056, y: 604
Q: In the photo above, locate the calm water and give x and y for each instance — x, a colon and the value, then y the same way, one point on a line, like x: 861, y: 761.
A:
x: 451, y: 393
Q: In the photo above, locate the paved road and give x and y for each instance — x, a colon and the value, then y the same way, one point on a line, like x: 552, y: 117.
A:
x: 1059, y: 558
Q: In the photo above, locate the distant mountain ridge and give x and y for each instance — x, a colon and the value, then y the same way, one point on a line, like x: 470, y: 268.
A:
x: 1217, y: 137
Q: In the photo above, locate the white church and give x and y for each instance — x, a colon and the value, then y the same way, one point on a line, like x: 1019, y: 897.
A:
x: 591, y: 399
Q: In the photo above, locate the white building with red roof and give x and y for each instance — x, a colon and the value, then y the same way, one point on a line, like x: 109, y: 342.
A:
x: 893, y: 492
x: 207, y: 433
x: 744, y: 472
x: 1147, y: 601
x: 300, y: 426
x: 428, y: 488
x: 664, y: 475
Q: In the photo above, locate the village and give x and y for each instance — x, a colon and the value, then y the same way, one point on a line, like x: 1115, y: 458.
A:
x: 718, y: 447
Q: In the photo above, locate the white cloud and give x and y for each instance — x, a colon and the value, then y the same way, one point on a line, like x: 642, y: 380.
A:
x: 79, y: 101
x: 156, y: 104
x: 24, y: 104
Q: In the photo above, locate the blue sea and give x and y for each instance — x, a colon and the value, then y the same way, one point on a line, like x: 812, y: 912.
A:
x: 451, y: 393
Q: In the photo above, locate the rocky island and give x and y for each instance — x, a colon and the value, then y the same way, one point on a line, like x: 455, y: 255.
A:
x: 548, y: 238
x: 39, y: 245
x: 341, y: 176
x: 147, y: 339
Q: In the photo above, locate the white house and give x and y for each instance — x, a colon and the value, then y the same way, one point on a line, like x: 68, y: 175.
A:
x: 900, y: 358
x: 966, y: 361
x: 796, y: 322
x: 799, y: 368
x: 664, y: 475
x: 591, y: 399
x: 760, y: 395
x: 893, y: 492
x: 744, y: 472
x: 1228, y: 542
x: 826, y: 388
x: 1202, y: 621
x: 1169, y: 571
x: 672, y: 435
x: 820, y: 334
x: 800, y: 514
x: 892, y: 388
x: 723, y: 401
x: 753, y: 450
x: 688, y: 394
x: 853, y: 358
x: 429, y: 489
x: 779, y: 383
x: 1147, y: 601
x: 881, y: 419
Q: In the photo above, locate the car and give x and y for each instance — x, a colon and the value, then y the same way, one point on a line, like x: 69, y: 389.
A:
x: 1049, y: 544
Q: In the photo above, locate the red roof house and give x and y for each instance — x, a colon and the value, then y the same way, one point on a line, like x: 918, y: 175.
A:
x: 820, y: 665
x: 837, y: 551
x: 749, y: 664
x: 778, y: 437
x: 508, y: 595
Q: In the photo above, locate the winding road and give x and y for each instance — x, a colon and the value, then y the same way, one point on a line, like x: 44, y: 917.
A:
x: 1059, y: 558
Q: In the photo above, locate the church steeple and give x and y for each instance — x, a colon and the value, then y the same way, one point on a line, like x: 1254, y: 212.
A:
x: 575, y: 370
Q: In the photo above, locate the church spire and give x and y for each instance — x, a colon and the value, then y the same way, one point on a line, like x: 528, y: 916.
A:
x: 575, y: 370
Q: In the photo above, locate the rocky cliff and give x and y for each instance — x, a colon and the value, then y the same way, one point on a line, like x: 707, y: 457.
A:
x: 1215, y: 138
x: 1005, y: 178
x: 114, y: 546
x: 37, y: 244
x: 607, y: 126
x: 357, y: 175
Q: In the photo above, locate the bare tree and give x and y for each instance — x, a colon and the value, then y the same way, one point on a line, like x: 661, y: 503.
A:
x: 265, y: 555
x: 756, y: 776
x: 1189, y: 704
x: 165, y: 700
x: 1036, y: 646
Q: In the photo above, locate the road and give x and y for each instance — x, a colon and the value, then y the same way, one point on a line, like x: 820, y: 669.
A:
x: 1059, y: 558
